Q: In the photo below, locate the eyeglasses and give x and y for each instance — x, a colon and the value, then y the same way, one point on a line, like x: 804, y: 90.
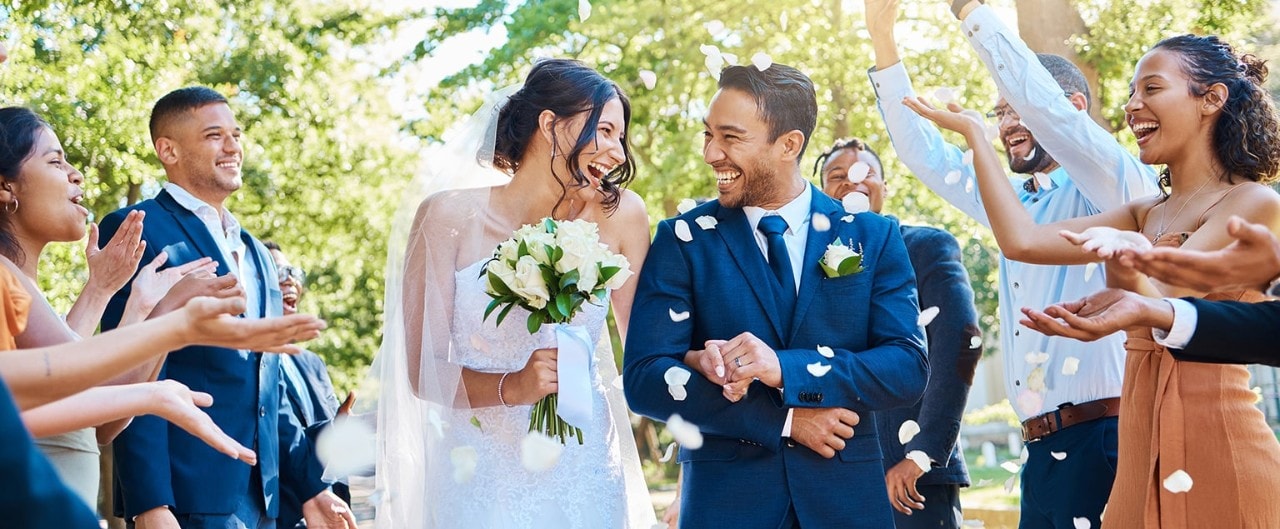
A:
x: 1003, y: 111
x: 287, y: 272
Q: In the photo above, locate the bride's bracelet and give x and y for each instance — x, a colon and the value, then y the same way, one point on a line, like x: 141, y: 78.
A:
x: 500, y: 381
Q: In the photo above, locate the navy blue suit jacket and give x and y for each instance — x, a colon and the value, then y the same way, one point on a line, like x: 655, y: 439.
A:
x: 31, y: 493
x: 314, y: 406
x: 1232, y: 332
x: 744, y: 476
x: 159, y: 464
x: 942, y: 282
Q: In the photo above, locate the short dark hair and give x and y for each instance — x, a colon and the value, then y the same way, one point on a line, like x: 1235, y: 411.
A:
x: 785, y: 97
x: 19, y: 128
x: 1067, y: 74
x: 179, y: 102
x: 854, y: 144
x: 271, y: 245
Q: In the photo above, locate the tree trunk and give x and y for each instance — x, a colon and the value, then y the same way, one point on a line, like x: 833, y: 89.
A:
x: 1047, y: 27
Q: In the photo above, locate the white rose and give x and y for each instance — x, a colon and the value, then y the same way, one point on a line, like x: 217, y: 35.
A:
x: 577, y: 229
x: 589, y: 277
x: 579, y: 252
x: 621, y: 277
x: 508, y: 251
x: 504, y: 273
x: 537, y: 244
x: 836, y: 254
x: 529, y: 284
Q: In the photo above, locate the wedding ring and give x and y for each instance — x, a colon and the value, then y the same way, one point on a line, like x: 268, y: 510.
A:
x: 737, y: 361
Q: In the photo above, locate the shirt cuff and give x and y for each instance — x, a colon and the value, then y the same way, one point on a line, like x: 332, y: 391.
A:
x: 786, y: 426
x: 981, y: 16
x: 1184, y: 325
x: 892, y: 83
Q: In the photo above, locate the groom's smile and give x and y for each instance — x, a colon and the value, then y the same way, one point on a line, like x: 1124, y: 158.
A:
x: 752, y: 165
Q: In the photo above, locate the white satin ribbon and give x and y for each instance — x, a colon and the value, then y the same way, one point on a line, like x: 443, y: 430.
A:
x: 573, y: 366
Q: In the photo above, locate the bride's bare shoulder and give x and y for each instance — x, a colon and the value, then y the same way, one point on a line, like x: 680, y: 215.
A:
x: 451, y: 205
x: 630, y: 214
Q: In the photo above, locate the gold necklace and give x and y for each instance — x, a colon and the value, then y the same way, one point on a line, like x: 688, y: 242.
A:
x: 1161, y: 230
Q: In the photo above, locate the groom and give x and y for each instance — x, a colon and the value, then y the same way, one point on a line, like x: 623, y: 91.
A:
x: 791, y: 361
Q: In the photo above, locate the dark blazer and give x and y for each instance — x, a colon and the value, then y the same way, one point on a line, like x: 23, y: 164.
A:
x: 942, y: 282
x: 31, y: 493
x: 314, y: 406
x: 1232, y: 332
x: 159, y: 464
x: 745, y: 476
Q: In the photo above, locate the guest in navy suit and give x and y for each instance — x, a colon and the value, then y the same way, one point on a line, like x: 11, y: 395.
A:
x: 942, y: 282
x: 788, y: 360
x: 165, y: 477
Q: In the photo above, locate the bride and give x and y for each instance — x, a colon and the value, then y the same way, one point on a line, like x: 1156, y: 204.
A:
x: 456, y: 389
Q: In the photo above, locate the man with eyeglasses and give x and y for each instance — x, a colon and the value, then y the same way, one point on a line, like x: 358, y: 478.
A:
x: 307, y: 386
x: 1073, y: 168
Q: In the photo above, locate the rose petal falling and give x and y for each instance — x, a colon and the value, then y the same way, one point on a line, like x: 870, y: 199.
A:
x: 678, y: 316
x: 1030, y: 402
x: 1089, y: 269
x: 1081, y: 523
x: 1043, y: 181
x: 464, y: 463
x: 858, y: 172
x: 706, y: 222
x: 817, y: 369
x: 1037, y: 358
x: 677, y: 375
x: 346, y: 446
x: 820, y: 222
x: 952, y: 178
x: 927, y: 316
x: 944, y: 95
x: 684, y: 432
x: 920, y: 458
x: 1011, y: 467
x: 1008, y: 484
x: 584, y: 10
x: 967, y: 158
x: 685, y: 205
x: 539, y: 452
x: 649, y: 79
x: 846, y: 219
x: 1178, y: 482
x: 762, y: 61
x: 826, y: 352
x: 1035, y: 379
x: 959, y: 517
x: 1257, y: 394
x: 730, y: 58
x: 714, y: 63
x: 709, y: 49
x: 1058, y: 455
x: 984, y: 482
x: 1023, y: 457
x: 856, y: 202
x: 1070, y: 366
x: 908, y: 431
x: 678, y: 392
x: 682, y: 231
x: 968, y: 185
x: 666, y: 455
x: 617, y: 382
x: 975, y: 342
x: 434, y: 421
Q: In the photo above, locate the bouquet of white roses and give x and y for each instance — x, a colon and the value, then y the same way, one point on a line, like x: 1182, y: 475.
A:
x: 550, y: 269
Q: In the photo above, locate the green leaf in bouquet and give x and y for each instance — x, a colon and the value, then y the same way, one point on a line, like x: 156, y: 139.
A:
x: 534, y: 322
x: 830, y: 272
x: 600, y: 294
x: 550, y: 252
x: 503, y: 315
x: 549, y: 276
x: 553, y: 310
x: 493, y: 305
x: 607, y: 273
x: 523, y: 250
x: 549, y: 224
x: 497, y: 285
x: 564, y: 305
x: 475, y: 421
x: 851, y: 265
x: 556, y: 253
x: 569, y: 280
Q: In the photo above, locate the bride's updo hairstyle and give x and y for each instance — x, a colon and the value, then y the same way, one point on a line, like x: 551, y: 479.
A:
x: 566, y: 88
x: 1246, y: 137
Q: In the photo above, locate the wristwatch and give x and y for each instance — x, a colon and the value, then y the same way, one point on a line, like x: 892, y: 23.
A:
x: 958, y: 5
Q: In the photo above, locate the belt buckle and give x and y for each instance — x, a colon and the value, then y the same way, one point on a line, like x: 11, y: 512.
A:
x: 1045, y: 421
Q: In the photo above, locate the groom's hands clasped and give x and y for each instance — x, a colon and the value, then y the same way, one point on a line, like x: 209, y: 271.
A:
x: 734, y: 364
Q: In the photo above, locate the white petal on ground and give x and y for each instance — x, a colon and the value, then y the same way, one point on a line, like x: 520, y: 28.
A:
x: 1177, y: 482
x: 1011, y: 467
x: 856, y: 202
x: 944, y: 95
x: 846, y: 218
x: 685, y: 205
x: 967, y: 157
x: 908, y: 431
x: 684, y: 432
x: 920, y: 458
x: 706, y: 222
x: 677, y: 375
x: 1070, y: 366
x: 817, y: 369
x: 927, y: 316
x: 346, y: 446
x: 682, y: 231
x: 649, y: 79
x: 666, y: 455
x: 1089, y: 269
x: 1043, y: 181
x: 678, y: 316
x: 1037, y: 358
x: 1081, y: 523
x: 826, y: 352
x: 464, y: 463
x: 762, y: 61
x: 858, y: 172
x: 1008, y: 484
x: 952, y: 178
x: 584, y: 10
x: 968, y: 185
x: 820, y: 222
x: 1058, y: 455
x: 677, y: 391
x: 539, y: 452
x: 975, y: 342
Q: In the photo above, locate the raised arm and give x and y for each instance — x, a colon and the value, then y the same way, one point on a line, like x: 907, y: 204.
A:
x: 110, y: 268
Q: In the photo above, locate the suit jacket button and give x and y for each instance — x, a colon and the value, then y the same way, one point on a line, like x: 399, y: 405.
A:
x: 262, y: 411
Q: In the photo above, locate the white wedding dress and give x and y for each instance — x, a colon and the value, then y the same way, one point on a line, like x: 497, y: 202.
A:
x: 586, y: 488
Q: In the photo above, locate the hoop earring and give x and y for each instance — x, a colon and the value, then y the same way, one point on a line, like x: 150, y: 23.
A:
x: 14, y: 208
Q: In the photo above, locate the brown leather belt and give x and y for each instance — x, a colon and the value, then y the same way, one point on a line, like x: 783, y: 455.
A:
x: 1068, y: 415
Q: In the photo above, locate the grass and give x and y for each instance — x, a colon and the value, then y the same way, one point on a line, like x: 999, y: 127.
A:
x: 987, y: 484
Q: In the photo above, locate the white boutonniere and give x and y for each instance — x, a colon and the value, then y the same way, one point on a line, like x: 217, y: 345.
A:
x: 841, y: 260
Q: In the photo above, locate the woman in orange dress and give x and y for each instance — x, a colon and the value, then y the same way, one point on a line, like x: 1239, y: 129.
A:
x: 1199, y: 109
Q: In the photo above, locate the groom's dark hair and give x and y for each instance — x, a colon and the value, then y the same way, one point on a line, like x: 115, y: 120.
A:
x: 785, y: 97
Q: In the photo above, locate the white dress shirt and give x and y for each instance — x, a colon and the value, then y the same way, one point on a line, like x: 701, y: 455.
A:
x: 225, y: 230
x: 1096, y: 174
x: 1183, y: 327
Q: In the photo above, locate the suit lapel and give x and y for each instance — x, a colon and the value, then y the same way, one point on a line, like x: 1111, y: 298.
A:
x: 195, y: 229
x: 734, y: 228
x: 811, y: 275
x: 264, y: 275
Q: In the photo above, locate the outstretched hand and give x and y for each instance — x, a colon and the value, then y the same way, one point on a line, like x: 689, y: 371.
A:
x: 881, y: 15
x: 152, y: 284
x: 954, y: 117
x: 197, y: 284
x: 178, y: 404
x: 1106, y: 242
x: 111, y: 266
x: 211, y: 321
x: 1099, y: 314
x: 1249, y: 262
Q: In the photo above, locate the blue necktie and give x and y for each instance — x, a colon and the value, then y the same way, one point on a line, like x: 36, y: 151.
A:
x: 773, y: 226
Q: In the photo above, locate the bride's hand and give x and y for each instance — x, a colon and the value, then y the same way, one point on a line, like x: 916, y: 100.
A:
x: 537, y: 379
